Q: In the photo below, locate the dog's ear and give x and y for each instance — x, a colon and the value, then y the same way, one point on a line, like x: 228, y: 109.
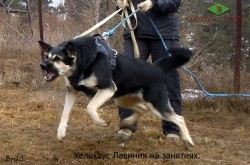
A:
x: 70, y: 47
x: 45, y: 47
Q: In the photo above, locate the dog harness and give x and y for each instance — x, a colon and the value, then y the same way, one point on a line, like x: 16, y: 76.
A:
x: 103, y: 47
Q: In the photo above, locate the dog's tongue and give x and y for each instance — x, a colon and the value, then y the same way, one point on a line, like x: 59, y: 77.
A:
x: 49, y: 75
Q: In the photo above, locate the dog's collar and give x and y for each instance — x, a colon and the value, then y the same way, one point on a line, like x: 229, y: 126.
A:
x: 104, y: 48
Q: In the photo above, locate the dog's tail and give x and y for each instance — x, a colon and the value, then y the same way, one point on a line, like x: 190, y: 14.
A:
x: 177, y: 58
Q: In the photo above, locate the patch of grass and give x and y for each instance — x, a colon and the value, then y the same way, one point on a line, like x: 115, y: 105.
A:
x: 29, y: 121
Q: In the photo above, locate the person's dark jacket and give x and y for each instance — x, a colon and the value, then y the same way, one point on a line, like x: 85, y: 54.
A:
x: 165, y: 17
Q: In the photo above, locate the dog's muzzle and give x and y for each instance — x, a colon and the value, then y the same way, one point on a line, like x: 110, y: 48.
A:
x: 50, y: 73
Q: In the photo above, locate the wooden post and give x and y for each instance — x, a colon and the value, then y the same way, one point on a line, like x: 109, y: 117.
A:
x: 40, y: 23
x: 238, y: 46
x: 28, y: 9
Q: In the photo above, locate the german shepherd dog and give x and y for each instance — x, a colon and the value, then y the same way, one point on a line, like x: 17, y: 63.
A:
x: 134, y: 84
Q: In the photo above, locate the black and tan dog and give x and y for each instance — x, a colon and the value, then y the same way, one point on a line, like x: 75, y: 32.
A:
x: 133, y: 84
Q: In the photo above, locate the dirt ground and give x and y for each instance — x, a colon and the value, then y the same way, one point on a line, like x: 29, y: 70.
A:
x: 29, y: 121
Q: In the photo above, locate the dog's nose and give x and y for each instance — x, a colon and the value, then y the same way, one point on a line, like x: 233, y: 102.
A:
x: 43, y: 66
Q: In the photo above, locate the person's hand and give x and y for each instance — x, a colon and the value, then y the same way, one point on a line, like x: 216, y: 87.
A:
x: 122, y: 3
x: 145, y: 5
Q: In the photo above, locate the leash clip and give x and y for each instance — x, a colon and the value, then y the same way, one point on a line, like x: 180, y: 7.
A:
x: 115, y: 52
x: 105, y: 35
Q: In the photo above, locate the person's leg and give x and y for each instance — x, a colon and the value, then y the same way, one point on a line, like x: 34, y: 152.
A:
x: 129, y: 51
x: 173, y: 83
x: 143, y: 46
x: 174, y: 94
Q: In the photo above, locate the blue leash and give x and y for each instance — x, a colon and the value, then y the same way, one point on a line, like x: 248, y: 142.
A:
x: 195, y: 77
x: 212, y: 94
x: 112, y: 31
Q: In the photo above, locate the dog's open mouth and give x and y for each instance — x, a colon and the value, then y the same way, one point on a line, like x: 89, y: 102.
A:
x: 50, y: 75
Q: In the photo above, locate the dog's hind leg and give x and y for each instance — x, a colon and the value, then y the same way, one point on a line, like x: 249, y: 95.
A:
x: 135, y: 103
x: 69, y: 103
x: 158, y: 102
x: 180, y: 122
x: 170, y: 115
x: 101, y: 96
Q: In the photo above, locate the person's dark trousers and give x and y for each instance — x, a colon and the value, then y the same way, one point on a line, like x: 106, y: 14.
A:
x: 156, y: 49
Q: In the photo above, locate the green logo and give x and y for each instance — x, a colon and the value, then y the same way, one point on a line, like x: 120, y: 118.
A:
x: 218, y: 9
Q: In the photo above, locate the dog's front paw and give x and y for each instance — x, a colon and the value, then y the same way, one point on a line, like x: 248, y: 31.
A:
x: 100, y: 121
x: 189, y: 144
x: 61, y: 132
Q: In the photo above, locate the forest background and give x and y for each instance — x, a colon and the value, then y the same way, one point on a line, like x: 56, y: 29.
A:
x: 211, y: 37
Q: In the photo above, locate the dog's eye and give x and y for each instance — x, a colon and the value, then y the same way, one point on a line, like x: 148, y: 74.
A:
x: 57, y: 58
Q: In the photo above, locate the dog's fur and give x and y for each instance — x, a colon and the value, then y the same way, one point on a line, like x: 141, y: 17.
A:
x: 134, y: 84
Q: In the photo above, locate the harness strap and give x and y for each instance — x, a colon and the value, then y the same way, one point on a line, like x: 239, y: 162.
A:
x: 103, y: 47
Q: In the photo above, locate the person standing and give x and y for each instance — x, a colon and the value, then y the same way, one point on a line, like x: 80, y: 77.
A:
x: 165, y: 17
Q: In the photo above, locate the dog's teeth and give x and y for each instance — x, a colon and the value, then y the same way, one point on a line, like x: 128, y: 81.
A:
x: 47, y: 78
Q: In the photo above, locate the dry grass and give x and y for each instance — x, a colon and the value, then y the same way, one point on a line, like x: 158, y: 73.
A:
x: 29, y: 120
